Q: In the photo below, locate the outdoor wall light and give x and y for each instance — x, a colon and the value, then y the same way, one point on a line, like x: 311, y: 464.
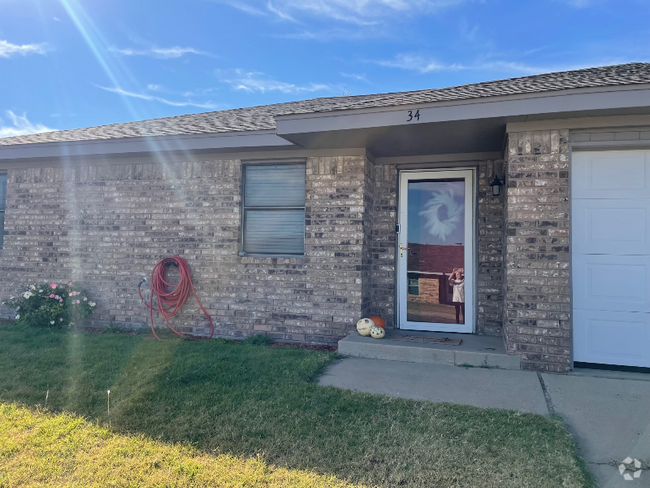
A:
x: 496, y: 186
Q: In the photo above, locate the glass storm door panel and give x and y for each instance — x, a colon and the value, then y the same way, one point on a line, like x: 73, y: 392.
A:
x: 435, y: 254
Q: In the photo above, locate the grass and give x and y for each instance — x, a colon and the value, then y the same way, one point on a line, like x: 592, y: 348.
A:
x: 245, y: 415
x: 54, y: 450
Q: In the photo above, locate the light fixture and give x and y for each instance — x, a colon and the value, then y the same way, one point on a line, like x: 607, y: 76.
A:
x: 496, y: 186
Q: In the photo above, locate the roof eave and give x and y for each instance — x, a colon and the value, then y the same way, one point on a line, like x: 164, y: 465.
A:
x: 568, y: 101
x: 138, y: 145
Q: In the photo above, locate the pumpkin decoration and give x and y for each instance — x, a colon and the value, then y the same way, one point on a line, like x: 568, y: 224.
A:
x: 379, y: 322
x: 364, y: 325
x: 377, y: 332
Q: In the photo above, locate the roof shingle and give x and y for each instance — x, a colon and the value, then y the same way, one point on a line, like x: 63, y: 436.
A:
x: 263, y: 117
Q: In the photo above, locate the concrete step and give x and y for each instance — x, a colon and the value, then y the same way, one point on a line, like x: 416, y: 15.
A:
x: 474, y: 351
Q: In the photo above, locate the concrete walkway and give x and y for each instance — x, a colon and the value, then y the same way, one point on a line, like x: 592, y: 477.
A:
x: 609, y: 416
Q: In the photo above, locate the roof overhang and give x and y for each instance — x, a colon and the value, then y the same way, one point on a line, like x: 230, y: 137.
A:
x: 258, y: 140
x: 475, y: 125
x: 459, y: 126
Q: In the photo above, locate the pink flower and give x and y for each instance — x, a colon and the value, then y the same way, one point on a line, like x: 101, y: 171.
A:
x: 69, y: 294
x: 52, y: 295
x: 53, y: 286
x: 60, y: 320
x: 57, y: 297
x: 85, y: 299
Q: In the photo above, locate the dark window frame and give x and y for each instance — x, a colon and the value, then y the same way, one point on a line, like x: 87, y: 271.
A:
x: 410, y: 286
x: 245, y: 208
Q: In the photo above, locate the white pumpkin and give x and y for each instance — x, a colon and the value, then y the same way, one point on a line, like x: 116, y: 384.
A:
x: 364, y: 325
x: 377, y: 332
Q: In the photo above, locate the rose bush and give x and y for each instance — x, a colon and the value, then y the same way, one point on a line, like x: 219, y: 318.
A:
x: 52, y: 305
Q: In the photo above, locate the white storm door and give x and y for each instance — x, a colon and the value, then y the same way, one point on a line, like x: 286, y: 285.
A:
x: 611, y: 257
x: 436, y: 241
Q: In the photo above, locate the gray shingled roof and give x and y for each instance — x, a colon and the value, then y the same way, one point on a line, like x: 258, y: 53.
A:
x: 262, y: 117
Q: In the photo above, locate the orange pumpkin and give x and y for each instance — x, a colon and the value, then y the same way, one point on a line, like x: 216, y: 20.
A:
x: 379, y: 322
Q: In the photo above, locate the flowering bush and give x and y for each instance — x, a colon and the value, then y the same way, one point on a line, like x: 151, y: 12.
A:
x: 51, y: 305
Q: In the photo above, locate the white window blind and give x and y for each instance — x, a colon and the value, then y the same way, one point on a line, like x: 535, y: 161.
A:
x: 274, y: 209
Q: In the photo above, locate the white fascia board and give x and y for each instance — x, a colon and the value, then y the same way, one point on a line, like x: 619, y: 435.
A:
x: 180, y: 143
x: 575, y: 100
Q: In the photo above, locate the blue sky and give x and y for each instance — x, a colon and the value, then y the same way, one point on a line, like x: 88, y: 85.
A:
x: 76, y: 63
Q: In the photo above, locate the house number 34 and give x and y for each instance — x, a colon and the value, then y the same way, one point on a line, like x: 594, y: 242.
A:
x: 413, y: 115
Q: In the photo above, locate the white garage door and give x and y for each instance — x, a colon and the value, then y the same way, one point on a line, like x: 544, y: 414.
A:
x: 611, y: 257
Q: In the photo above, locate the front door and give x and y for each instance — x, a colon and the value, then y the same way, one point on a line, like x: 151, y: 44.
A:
x: 436, y: 248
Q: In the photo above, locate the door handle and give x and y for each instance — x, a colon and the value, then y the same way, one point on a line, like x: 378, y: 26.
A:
x: 402, y: 249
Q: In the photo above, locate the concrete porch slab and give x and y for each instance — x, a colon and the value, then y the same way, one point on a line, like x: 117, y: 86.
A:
x: 475, y: 351
x: 518, y: 390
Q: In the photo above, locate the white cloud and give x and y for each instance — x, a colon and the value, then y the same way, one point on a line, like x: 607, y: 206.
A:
x: 159, y: 52
x: 249, y: 9
x: 254, y: 81
x: 326, y: 35
x: 522, y: 68
x: 418, y: 62
x: 355, y: 76
x: 8, y: 49
x: 154, y: 87
x: 360, y: 12
x: 152, y: 98
x: 20, y: 126
x: 469, y: 33
x: 279, y: 12
x: 425, y: 64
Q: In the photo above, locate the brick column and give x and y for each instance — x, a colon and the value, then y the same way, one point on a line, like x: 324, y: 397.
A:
x: 538, y: 304
x: 490, y: 251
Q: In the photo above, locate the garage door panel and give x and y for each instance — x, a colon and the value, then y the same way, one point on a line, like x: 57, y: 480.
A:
x: 614, y: 283
x: 611, y: 226
x: 611, y: 174
x: 612, y: 337
x: 610, y: 243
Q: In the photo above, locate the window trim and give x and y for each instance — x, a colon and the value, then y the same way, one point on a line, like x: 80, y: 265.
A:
x: 244, y: 208
x: 410, y: 286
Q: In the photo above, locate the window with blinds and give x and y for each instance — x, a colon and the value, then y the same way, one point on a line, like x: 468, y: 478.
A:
x: 274, y: 209
x: 3, y: 206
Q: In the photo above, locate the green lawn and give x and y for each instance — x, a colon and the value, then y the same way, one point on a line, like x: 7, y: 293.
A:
x: 229, y: 410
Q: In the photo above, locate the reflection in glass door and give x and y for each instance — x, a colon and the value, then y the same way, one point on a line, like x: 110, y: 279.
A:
x: 435, y: 251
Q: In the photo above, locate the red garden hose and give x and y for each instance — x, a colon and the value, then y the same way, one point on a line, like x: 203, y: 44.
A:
x: 171, y: 297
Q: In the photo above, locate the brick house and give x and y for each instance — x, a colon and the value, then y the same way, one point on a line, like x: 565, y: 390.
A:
x: 299, y: 218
